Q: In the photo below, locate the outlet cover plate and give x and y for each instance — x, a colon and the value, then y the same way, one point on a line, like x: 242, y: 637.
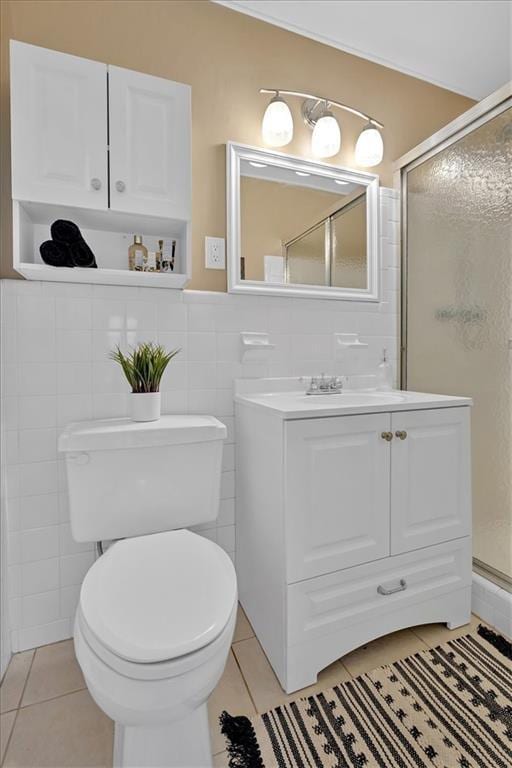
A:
x: 215, y: 253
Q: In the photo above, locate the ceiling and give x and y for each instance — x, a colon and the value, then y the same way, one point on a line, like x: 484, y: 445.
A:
x: 462, y: 45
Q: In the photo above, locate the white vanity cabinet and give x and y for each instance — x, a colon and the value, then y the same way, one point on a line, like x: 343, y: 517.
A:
x: 350, y: 526
x: 336, y: 497
x: 430, y: 478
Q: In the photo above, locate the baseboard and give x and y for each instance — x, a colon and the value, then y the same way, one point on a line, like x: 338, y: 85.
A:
x: 492, y: 604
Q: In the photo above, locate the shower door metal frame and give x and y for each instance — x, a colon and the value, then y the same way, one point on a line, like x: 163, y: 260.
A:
x: 476, y: 116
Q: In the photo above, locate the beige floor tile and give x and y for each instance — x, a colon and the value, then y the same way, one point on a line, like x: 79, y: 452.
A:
x: 434, y: 634
x: 382, y: 651
x: 14, y: 680
x: 264, y: 686
x: 243, y: 630
x: 231, y: 694
x: 68, y: 732
x: 6, y: 724
x: 55, y: 671
x: 221, y: 760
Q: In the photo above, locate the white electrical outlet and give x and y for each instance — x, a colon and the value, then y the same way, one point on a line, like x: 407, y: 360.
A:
x: 215, y: 252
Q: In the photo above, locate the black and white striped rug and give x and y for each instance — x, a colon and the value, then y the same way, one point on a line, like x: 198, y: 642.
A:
x: 448, y: 707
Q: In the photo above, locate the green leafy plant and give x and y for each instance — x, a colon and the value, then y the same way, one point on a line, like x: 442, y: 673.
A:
x: 144, y: 366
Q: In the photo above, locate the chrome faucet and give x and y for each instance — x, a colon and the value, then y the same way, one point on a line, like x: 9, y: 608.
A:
x: 324, y: 385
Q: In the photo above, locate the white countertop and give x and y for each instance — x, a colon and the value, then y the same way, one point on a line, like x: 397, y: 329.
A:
x: 295, y: 404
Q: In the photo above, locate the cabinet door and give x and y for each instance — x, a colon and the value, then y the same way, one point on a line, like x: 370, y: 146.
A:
x: 58, y: 128
x: 149, y: 144
x: 430, y: 478
x: 336, y: 493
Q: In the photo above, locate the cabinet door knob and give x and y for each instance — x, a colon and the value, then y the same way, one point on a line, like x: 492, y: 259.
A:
x: 120, y: 186
x: 387, y: 436
x: 402, y: 434
x: 96, y: 184
x: 391, y: 590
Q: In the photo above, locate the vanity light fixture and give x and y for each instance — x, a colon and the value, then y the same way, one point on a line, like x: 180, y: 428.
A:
x: 302, y: 173
x: 277, y: 127
x: 257, y: 165
x: 341, y: 183
x: 369, y: 147
x: 326, y: 138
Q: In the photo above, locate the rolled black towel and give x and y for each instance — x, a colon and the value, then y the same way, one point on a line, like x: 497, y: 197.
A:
x: 56, y: 254
x: 82, y: 255
x: 67, y: 232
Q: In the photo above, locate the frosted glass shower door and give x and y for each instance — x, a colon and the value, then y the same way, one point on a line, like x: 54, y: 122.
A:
x: 457, y: 308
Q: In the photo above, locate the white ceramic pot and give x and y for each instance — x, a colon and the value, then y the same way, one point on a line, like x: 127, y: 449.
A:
x: 146, y: 406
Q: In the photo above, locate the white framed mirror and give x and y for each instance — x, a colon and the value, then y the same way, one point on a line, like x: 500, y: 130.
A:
x: 297, y: 227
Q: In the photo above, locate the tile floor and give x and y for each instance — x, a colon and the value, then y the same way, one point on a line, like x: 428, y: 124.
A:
x: 48, y: 718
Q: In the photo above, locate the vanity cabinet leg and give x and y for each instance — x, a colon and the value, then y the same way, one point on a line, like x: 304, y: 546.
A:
x: 461, y: 613
x: 300, y: 673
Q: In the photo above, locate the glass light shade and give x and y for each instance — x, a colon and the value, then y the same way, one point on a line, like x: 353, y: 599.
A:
x: 326, y: 139
x: 277, y: 124
x: 369, y: 147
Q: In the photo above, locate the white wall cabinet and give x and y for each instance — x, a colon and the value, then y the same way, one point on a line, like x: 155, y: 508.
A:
x: 149, y: 144
x: 58, y: 128
x: 103, y: 146
x: 349, y: 527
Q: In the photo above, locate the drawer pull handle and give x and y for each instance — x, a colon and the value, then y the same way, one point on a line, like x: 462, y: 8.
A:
x: 387, y: 436
x: 391, y: 590
x: 402, y: 434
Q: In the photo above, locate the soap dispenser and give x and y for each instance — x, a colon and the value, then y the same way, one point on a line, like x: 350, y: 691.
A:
x: 384, y: 373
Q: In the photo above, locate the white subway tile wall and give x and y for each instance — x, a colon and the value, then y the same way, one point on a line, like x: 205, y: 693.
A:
x: 55, y: 369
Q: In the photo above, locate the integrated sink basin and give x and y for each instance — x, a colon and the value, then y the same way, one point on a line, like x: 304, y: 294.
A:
x: 287, y: 397
x: 353, y: 398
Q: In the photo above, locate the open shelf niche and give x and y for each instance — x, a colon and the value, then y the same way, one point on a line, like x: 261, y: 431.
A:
x: 109, y: 234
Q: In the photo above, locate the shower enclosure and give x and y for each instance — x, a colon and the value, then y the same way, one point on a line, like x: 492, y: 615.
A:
x: 456, y: 300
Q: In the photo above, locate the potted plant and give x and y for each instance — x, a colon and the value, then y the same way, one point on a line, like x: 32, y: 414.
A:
x: 144, y: 367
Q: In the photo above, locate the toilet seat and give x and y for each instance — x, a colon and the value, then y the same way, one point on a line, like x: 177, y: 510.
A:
x: 157, y: 671
x: 158, y: 598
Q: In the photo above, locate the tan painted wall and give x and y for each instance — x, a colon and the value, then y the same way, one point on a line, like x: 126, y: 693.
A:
x: 226, y: 57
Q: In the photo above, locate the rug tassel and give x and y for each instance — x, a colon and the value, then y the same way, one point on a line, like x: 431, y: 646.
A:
x: 499, y: 642
x: 243, y: 748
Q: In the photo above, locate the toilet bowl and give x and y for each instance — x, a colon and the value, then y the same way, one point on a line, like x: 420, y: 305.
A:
x: 157, y: 611
x: 152, y: 633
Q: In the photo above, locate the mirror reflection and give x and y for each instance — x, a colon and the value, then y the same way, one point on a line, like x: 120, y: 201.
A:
x: 301, y: 229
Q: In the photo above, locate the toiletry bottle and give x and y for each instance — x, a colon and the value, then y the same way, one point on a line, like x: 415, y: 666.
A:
x: 137, y: 254
x: 150, y: 261
x: 384, y: 373
x: 168, y: 255
x: 159, y: 255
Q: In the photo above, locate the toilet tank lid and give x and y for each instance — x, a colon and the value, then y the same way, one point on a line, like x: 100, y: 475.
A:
x: 111, y: 434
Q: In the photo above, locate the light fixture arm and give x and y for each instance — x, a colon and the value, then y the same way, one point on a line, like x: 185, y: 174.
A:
x: 330, y: 102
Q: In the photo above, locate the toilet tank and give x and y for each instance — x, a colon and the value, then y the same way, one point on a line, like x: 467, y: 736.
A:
x: 128, y: 478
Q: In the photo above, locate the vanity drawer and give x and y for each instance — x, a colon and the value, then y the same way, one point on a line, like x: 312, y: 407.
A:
x: 328, y: 604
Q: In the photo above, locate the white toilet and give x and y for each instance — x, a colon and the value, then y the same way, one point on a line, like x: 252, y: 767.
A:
x: 157, y: 611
